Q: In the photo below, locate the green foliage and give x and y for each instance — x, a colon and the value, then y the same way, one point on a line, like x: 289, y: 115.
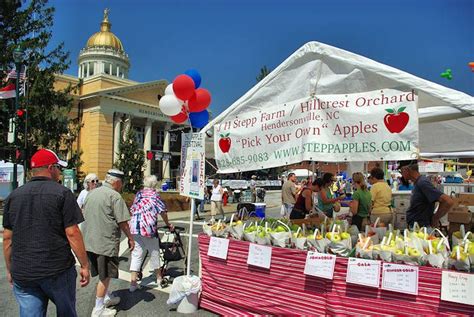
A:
x: 48, y: 123
x: 131, y: 161
x: 264, y: 71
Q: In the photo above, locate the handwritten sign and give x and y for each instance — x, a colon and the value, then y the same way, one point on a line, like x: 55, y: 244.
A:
x: 400, y: 278
x: 218, y: 248
x: 259, y: 255
x: 363, y: 272
x: 457, y: 287
x: 320, y: 265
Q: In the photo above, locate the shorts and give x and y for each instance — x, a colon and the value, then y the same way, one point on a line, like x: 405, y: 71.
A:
x: 104, y: 266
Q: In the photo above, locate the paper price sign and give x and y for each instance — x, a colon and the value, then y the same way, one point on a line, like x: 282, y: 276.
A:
x: 320, y: 265
x: 363, y: 272
x: 400, y: 278
x: 259, y: 255
x: 457, y: 287
x: 218, y: 248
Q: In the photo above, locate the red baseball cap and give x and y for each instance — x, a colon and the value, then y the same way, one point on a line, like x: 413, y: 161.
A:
x: 45, y: 157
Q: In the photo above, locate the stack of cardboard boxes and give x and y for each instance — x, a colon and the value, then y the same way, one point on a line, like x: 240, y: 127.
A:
x: 401, y: 202
x: 462, y: 212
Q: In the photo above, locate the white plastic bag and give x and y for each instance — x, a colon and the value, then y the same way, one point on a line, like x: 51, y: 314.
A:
x: 183, y: 286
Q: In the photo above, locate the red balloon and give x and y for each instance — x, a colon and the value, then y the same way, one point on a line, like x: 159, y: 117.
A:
x: 200, y: 101
x: 180, y: 117
x: 183, y: 87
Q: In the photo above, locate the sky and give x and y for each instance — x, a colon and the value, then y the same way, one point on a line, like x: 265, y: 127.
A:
x: 229, y: 41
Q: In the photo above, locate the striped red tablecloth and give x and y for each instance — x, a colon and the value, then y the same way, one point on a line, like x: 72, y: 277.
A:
x: 231, y: 287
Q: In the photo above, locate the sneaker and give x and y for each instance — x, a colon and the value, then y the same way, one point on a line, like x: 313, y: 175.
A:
x: 133, y: 288
x: 111, y: 301
x: 103, y: 312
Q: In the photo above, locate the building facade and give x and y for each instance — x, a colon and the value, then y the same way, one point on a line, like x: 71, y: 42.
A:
x: 107, y: 101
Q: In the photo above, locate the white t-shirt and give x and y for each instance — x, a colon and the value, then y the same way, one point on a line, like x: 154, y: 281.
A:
x: 82, y: 198
x: 216, y: 193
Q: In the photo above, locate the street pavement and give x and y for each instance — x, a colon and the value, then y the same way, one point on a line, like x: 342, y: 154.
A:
x: 150, y: 300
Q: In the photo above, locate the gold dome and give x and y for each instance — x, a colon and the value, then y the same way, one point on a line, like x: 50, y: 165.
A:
x: 105, y: 37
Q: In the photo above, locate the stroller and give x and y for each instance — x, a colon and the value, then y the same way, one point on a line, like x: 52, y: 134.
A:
x: 171, y: 250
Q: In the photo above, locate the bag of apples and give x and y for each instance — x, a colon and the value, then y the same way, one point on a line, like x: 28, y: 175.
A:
x: 458, y: 236
x: 379, y: 228
x: 319, y: 240
x: 250, y: 231
x: 459, y: 258
x: 385, y: 250
x: 298, y: 239
x: 263, y: 235
x: 364, y: 247
x: 410, y: 252
x: 372, y: 234
x: 436, y: 254
x: 236, y: 228
x: 341, y: 243
x: 281, y: 234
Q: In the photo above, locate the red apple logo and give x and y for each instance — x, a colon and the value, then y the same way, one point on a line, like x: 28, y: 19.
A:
x: 396, y: 120
x: 225, y: 142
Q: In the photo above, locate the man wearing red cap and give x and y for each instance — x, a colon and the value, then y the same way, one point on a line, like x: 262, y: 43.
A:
x: 41, y: 226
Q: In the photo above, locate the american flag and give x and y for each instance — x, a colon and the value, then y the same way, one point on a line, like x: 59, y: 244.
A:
x: 12, y: 74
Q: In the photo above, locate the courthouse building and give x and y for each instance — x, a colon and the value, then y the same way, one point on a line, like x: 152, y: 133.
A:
x: 108, y: 100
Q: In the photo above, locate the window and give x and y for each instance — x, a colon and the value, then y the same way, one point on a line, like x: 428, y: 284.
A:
x: 140, y: 135
x: 160, y: 137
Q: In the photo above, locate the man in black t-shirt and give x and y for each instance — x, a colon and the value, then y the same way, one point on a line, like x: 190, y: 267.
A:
x: 41, y: 226
x: 423, y: 198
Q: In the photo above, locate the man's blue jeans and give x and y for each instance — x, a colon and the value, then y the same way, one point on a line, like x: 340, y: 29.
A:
x: 33, y: 296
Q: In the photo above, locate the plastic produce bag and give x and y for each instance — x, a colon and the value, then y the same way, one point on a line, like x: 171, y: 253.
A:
x: 281, y: 239
x: 183, y: 286
x: 236, y: 229
x: 319, y: 240
x: 364, y: 247
x: 250, y: 232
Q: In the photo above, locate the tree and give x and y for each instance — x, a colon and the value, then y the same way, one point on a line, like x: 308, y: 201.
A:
x: 47, y: 120
x: 131, y: 160
x: 264, y: 71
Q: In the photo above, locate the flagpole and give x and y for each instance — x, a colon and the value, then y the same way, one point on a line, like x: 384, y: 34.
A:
x: 15, y: 134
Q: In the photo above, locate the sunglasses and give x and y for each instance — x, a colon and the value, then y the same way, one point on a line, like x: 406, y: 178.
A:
x: 94, y: 181
x: 59, y: 167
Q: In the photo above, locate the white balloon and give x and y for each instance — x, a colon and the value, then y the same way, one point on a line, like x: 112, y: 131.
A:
x: 170, y: 105
x: 169, y: 89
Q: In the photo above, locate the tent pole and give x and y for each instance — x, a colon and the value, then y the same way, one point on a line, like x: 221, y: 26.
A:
x: 190, y: 239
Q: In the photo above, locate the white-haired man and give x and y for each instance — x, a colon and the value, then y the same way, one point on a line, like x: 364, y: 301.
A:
x: 106, y: 214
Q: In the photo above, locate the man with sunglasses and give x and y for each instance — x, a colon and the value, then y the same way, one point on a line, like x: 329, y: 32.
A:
x: 41, y: 227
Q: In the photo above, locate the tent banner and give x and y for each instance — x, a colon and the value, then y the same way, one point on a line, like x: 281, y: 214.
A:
x: 371, y: 126
x: 192, y: 165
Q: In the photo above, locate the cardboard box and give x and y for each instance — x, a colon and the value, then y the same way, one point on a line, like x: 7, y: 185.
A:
x: 454, y: 226
x: 460, y: 215
x: 401, y: 221
x: 465, y: 199
x: 402, y: 205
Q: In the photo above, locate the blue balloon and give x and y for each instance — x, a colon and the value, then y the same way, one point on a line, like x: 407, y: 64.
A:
x: 199, y: 119
x: 194, y: 74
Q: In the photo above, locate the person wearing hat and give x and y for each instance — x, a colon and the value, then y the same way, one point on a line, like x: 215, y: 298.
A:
x: 41, y: 227
x: 106, y: 214
x: 423, y: 198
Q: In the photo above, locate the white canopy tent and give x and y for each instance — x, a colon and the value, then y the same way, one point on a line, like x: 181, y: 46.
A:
x: 445, y: 115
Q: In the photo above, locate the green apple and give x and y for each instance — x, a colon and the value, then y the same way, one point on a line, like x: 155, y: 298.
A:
x: 336, y: 238
x: 262, y: 234
x: 238, y: 223
x: 470, y: 249
x: 457, y: 234
x: 280, y: 228
x: 420, y: 235
x: 413, y: 252
x: 399, y: 252
x: 294, y: 227
x: 345, y: 236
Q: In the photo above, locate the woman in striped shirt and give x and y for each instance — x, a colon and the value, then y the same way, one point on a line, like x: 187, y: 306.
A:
x: 143, y: 226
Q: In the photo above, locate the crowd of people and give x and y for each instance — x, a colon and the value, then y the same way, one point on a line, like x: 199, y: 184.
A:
x: 41, y: 227
x: 371, y: 198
